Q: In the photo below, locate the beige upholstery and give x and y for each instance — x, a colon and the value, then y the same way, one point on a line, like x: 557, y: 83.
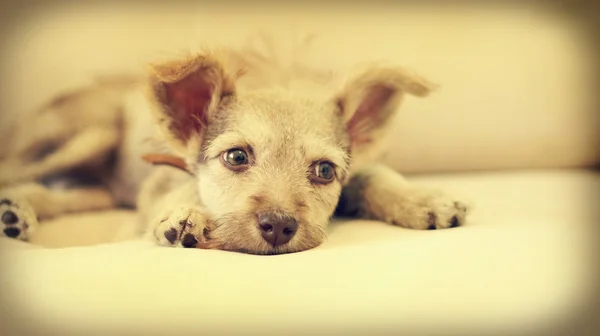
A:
x: 522, y: 262
x: 514, y: 93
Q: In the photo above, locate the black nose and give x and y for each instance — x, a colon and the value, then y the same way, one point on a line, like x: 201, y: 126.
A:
x: 277, y: 228
x: 12, y: 232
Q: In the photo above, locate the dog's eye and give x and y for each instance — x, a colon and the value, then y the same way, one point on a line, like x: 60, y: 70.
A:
x: 324, y: 172
x: 235, y: 157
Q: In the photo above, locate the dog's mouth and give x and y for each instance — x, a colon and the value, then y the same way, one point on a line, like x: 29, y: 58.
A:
x: 230, y: 235
x: 255, y: 248
x: 262, y: 253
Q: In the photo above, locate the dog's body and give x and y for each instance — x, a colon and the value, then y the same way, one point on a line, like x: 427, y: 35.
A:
x: 268, y: 162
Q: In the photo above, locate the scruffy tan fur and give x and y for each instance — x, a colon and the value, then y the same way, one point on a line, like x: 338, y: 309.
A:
x: 202, y: 106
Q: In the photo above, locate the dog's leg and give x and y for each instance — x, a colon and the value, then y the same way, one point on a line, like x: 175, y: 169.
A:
x: 378, y: 192
x: 31, y: 138
x: 87, y: 147
x: 170, y: 212
x: 21, y: 206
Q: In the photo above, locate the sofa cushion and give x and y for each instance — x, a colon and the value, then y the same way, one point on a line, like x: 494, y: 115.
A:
x: 521, y: 263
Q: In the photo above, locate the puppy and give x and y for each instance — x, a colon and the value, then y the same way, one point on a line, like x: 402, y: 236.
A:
x: 266, y: 164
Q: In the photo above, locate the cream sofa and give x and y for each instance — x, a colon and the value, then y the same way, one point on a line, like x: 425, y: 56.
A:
x: 512, y: 129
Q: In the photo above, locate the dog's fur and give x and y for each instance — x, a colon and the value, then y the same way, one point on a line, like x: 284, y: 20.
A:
x: 204, y: 105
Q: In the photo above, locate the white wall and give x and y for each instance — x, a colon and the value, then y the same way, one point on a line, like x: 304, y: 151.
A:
x: 515, y: 81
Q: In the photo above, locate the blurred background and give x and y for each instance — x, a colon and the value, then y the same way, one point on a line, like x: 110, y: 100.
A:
x: 518, y: 90
x: 516, y: 80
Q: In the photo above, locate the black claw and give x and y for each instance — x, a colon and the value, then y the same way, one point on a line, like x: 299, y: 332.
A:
x: 206, y: 233
x: 171, y: 235
x: 431, y: 220
x: 12, y: 232
x: 10, y: 218
x: 454, y: 222
x: 189, y: 241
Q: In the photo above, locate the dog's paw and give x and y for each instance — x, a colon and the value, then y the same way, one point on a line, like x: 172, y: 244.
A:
x: 183, y: 227
x: 17, y: 218
x: 426, y: 211
x: 442, y: 213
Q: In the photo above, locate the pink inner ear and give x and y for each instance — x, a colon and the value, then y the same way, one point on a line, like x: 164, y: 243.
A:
x: 370, y: 114
x: 189, y: 99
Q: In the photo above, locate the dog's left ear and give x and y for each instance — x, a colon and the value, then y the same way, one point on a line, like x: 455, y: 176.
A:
x: 370, y: 100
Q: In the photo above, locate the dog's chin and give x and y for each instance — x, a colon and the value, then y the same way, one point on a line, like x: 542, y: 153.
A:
x: 239, y: 234
x: 269, y: 250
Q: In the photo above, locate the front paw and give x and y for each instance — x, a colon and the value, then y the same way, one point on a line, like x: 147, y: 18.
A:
x: 423, y: 211
x: 441, y: 213
x: 17, y: 218
x: 184, y: 227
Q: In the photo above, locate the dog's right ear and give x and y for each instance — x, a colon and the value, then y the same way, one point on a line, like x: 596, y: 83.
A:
x: 188, y: 93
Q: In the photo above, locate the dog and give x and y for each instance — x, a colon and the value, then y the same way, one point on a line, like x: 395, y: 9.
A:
x: 251, y: 163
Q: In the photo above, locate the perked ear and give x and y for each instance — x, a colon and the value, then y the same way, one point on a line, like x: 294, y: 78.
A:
x: 188, y: 93
x: 369, y: 101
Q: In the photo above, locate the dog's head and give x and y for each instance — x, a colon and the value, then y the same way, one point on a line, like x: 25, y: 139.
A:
x: 270, y: 164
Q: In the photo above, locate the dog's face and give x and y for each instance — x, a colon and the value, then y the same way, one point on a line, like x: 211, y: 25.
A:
x: 271, y: 172
x: 270, y: 164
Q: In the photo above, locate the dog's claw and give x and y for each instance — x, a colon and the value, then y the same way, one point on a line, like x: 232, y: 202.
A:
x: 17, y: 218
x: 171, y: 235
x: 189, y: 241
x: 184, y: 227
